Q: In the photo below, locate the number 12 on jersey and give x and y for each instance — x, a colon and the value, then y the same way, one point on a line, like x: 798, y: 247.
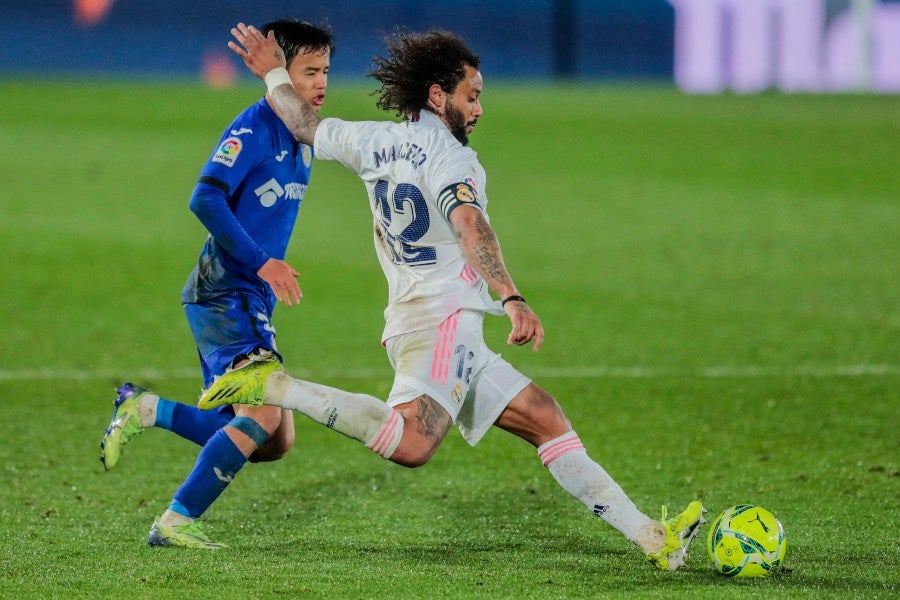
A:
x: 405, y: 205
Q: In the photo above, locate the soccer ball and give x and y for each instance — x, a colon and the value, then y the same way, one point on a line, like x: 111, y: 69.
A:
x: 746, y: 541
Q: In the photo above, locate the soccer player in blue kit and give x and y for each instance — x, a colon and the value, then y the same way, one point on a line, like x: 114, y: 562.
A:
x: 248, y: 197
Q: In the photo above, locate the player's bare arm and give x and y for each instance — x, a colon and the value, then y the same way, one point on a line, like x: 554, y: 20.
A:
x: 261, y: 54
x: 481, y: 248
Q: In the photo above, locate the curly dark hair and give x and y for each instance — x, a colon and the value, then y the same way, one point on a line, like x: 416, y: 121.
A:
x: 416, y: 61
x: 294, y: 36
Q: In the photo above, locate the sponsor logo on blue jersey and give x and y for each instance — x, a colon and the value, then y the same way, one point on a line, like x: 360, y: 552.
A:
x: 269, y: 192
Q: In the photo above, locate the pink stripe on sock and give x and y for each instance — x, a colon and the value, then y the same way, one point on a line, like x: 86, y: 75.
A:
x: 385, y: 434
x: 551, y: 453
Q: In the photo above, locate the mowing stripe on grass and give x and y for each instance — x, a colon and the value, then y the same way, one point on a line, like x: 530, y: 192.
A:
x: 585, y: 372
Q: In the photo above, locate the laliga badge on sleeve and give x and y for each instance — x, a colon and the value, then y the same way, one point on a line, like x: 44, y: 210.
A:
x: 228, y: 152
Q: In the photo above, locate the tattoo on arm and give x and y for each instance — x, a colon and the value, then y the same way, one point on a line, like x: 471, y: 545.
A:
x: 486, y: 254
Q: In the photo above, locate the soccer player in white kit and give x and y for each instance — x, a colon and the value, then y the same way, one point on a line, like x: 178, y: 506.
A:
x: 441, y: 257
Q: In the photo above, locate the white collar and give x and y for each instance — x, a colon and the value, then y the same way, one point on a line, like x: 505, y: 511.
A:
x: 426, y: 117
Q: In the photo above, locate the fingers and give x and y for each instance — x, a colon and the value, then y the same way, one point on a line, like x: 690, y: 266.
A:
x: 526, y: 328
x: 538, y: 338
x: 248, y: 37
x: 520, y: 339
x: 282, y: 278
x: 289, y: 293
x: 245, y: 30
x: 295, y: 293
x: 290, y: 290
x: 238, y: 50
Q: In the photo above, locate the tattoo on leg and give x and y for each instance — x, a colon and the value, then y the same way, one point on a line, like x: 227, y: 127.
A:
x: 432, y: 421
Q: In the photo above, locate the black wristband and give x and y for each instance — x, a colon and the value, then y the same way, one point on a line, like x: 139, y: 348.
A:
x: 512, y: 298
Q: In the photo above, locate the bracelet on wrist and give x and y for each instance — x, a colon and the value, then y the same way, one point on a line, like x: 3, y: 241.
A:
x: 513, y: 298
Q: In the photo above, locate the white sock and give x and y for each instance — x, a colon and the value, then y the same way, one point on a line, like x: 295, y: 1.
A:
x: 147, y: 409
x: 359, y: 416
x: 573, y: 469
x: 170, y: 518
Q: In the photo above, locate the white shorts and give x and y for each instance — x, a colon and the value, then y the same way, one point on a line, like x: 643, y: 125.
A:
x: 452, y: 365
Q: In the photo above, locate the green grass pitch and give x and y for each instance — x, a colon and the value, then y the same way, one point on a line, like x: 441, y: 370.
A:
x: 719, y: 278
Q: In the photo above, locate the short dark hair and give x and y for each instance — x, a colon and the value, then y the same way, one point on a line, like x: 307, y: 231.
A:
x: 416, y: 61
x: 294, y: 36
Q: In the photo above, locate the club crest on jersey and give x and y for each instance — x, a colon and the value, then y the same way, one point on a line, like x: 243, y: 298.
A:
x: 307, y: 155
x: 457, y: 393
x: 228, y: 152
x: 465, y: 193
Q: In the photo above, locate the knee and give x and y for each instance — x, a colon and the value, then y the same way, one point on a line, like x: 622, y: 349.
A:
x: 264, y: 427
x: 267, y: 417
x: 275, y: 448
x: 281, y: 438
x: 410, y: 462
x: 535, y: 416
x: 270, y: 453
x: 412, y: 456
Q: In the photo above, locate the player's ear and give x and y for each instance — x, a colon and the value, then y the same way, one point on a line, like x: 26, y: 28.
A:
x: 436, y: 97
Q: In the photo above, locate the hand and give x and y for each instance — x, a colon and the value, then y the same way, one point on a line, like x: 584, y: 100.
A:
x: 526, y: 326
x: 282, y: 278
x: 261, y: 54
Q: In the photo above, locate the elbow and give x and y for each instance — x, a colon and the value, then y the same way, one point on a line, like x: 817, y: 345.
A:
x: 197, y: 203
x: 203, y: 201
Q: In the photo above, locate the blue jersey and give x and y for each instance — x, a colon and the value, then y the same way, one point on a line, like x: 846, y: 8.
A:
x: 247, y: 197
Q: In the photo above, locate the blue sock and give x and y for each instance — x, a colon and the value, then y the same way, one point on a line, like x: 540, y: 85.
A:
x: 189, y: 421
x: 216, y: 466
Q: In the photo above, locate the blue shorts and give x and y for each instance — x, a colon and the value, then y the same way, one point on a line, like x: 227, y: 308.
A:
x: 228, y: 328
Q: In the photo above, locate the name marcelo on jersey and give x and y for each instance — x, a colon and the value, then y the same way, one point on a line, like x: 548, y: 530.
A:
x: 405, y: 151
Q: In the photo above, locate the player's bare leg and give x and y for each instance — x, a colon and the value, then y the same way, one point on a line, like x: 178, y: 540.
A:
x: 266, y: 432
x: 537, y: 418
x: 282, y: 439
x: 426, y: 424
x: 408, y: 434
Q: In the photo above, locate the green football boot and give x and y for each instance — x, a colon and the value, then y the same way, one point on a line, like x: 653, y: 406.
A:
x: 185, y: 535
x: 680, y: 532
x: 124, y: 426
x: 244, y: 385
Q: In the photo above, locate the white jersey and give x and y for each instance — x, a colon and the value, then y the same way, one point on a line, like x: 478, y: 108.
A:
x: 416, y: 174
